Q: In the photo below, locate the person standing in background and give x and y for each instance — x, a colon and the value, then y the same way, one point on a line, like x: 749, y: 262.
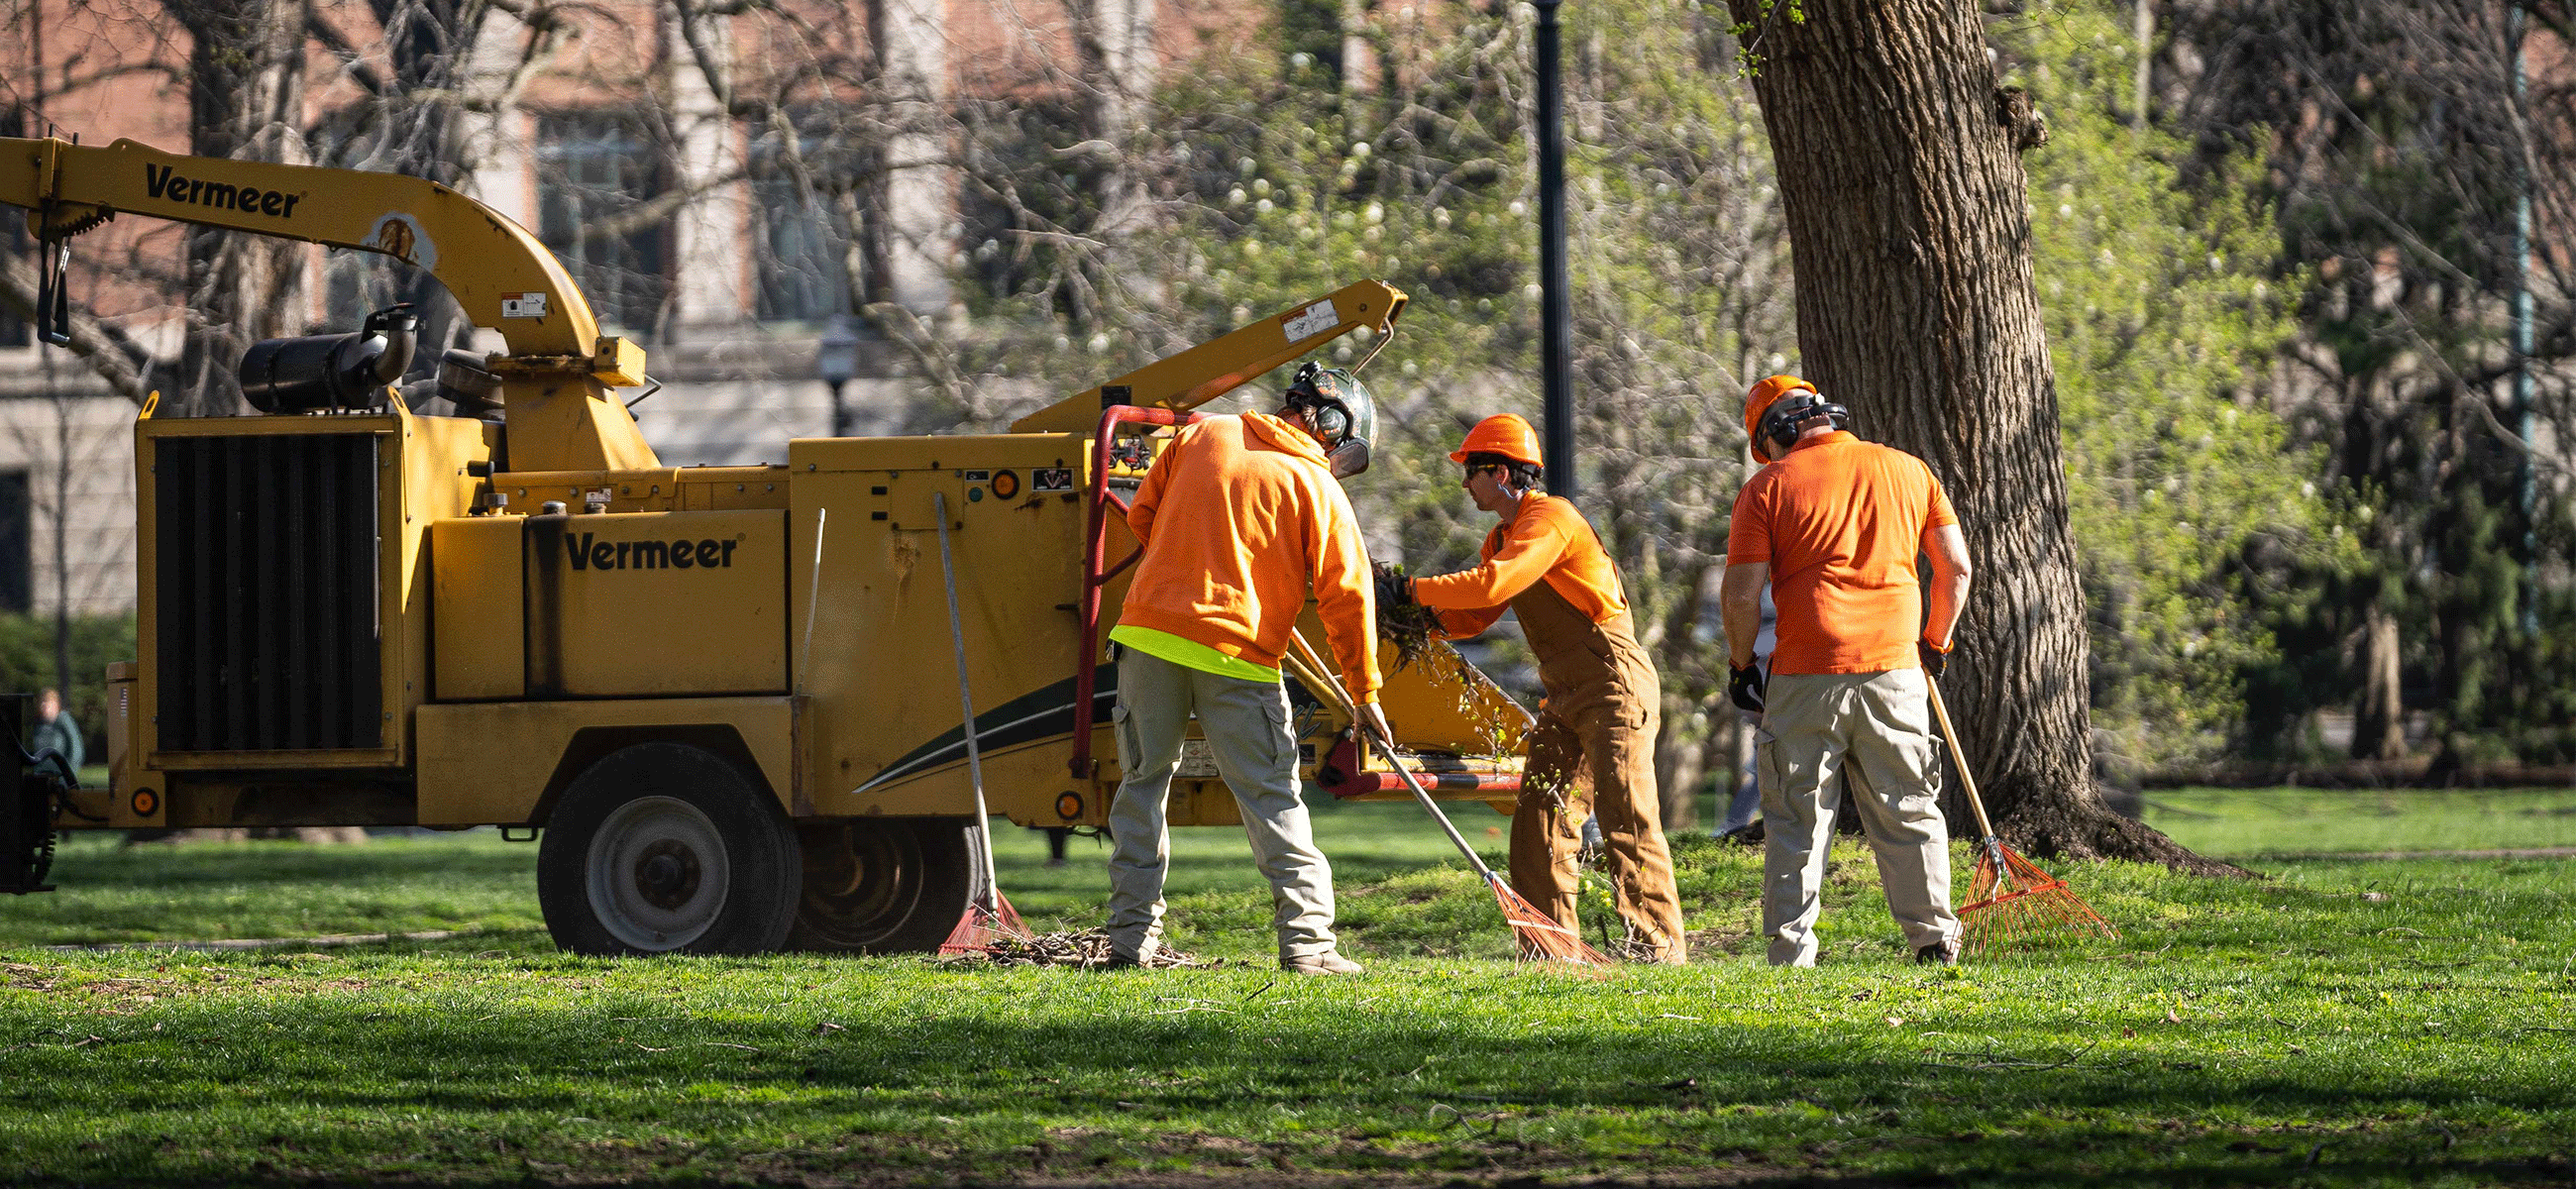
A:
x: 55, y: 730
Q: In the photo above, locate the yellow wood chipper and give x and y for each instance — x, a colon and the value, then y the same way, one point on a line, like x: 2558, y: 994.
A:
x: 723, y: 697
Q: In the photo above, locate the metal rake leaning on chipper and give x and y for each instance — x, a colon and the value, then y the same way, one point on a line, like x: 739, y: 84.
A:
x: 724, y: 735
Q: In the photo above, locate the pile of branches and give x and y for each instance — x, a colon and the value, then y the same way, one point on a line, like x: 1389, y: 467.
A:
x: 1087, y: 949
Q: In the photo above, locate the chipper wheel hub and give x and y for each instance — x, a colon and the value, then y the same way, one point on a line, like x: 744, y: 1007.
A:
x: 667, y: 874
x: 658, y: 873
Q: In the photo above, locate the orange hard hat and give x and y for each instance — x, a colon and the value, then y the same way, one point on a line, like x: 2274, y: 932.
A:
x: 1504, y: 434
x: 1757, y: 402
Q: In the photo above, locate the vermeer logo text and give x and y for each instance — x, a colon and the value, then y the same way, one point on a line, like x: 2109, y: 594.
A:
x: 589, y: 553
x: 159, y: 181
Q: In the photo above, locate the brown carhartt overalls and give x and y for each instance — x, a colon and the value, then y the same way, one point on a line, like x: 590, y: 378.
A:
x: 1593, y: 753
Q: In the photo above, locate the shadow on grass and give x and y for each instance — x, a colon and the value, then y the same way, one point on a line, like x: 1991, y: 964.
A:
x: 839, y: 1085
x: 2327, y: 1171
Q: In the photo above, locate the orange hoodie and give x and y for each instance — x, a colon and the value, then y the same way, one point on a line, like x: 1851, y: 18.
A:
x: 1547, y: 539
x: 1255, y: 517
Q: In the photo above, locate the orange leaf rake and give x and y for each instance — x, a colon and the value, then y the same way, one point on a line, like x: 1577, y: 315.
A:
x: 989, y: 915
x: 2009, y: 897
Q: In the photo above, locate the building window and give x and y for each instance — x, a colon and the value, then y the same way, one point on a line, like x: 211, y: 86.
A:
x: 803, y: 253
x: 17, y: 545
x: 597, y: 172
x: 803, y: 271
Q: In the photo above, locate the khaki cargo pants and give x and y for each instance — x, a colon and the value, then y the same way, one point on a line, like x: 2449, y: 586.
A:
x: 1874, y: 730
x: 1247, y: 728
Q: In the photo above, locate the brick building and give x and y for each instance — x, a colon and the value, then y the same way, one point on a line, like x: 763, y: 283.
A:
x: 619, y: 135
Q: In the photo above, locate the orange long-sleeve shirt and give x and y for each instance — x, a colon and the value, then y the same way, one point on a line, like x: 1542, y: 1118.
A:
x: 1239, y: 516
x: 1547, y: 540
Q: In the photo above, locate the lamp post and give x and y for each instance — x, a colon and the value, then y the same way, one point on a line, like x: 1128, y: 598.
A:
x: 836, y: 357
x: 1556, y: 365
x: 2525, y: 495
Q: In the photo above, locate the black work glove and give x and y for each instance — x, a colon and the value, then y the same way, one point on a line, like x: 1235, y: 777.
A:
x: 1744, y: 687
x: 1393, y: 588
x: 1934, y: 660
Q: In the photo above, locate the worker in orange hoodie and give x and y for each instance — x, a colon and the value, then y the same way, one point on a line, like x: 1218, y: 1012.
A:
x: 1593, y: 750
x: 1239, y: 517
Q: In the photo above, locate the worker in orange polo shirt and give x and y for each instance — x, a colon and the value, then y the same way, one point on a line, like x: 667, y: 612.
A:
x: 1239, y: 517
x: 1593, y: 750
x: 1833, y: 525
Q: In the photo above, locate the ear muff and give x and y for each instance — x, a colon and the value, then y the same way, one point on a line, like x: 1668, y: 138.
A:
x: 1332, y: 421
x: 1780, y: 422
x: 1328, y: 397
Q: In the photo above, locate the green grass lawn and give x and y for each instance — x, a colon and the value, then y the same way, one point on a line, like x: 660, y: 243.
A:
x: 2255, y: 822
x: 2342, y: 1022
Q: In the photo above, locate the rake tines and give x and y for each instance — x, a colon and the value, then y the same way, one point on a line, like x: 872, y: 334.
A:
x: 982, y: 925
x: 1541, y: 938
x: 2010, y: 898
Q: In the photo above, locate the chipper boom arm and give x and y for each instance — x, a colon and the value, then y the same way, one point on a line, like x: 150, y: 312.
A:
x: 559, y: 370
x: 1191, y: 378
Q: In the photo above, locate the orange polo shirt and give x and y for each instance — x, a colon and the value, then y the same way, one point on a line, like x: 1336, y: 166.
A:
x: 1547, y: 540
x: 1841, y: 521
x: 1239, y: 516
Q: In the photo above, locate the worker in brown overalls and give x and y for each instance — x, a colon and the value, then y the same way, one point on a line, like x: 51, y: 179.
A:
x: 1594, y: 746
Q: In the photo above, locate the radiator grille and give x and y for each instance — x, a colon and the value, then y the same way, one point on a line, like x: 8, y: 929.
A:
x: 267, y: 593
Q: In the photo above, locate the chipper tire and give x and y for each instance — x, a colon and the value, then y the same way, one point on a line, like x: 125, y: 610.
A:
x: 884, y: 885
x: 667, y: 848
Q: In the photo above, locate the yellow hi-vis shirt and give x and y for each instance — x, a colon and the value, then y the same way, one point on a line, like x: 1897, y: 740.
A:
x: 1190, y: 654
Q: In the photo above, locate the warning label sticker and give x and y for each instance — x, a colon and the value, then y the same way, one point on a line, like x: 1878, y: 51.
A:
x: 523, y: 305
x: 1051, y: 479
x: 1311, y: 321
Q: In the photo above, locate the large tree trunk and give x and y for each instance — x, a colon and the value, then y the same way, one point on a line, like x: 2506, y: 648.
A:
x: 1899, y: 166
x: 245, y: 101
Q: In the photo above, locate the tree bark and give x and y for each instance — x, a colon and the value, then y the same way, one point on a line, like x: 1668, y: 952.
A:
x: 245, y: 101
x: 1909, y: 224
x: 430, y: 48
x: 1682, y: 767
x: 2379, y: 717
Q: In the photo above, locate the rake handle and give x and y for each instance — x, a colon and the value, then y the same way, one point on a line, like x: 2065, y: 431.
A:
x: 966, y: 703
x: 1958, y: 758
x: 1312, y: 660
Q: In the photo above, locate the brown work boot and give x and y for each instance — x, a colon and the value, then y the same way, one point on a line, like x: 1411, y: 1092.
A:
x: 1943, y: 953
x: 1328, y: 962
